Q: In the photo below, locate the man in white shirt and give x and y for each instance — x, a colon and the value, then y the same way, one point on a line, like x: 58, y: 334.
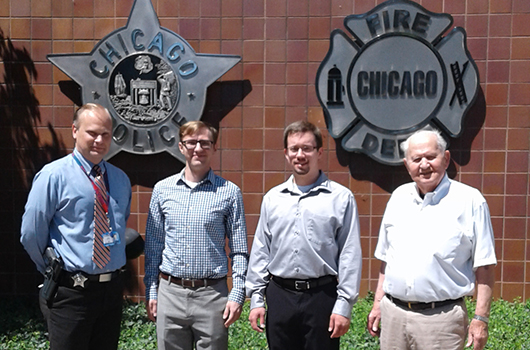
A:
x: 306, y: 255
x: 436, y: 245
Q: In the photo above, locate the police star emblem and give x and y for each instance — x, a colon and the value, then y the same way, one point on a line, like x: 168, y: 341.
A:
x: 79, y: 280
x: 149, y: 78
x: 398, y: 75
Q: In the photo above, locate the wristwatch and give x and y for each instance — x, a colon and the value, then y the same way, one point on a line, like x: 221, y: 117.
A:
x: 486, y: 320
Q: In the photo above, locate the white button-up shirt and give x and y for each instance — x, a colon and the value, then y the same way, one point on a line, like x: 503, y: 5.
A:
x: 433, y: 245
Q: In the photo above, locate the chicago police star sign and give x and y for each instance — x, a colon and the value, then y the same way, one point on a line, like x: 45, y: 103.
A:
x: 149, y: 78
x: 397, y: 76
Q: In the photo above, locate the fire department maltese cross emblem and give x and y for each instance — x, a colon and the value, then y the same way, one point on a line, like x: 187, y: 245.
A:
x: 149, y: 78
x: 398, y: 75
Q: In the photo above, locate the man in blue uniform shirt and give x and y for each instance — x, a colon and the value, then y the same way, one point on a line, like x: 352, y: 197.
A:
x: 79, y: 206
x: 190, y: 216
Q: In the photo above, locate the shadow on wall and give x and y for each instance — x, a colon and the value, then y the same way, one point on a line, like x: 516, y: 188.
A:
x: 389, y: 178
x: 23, y: 154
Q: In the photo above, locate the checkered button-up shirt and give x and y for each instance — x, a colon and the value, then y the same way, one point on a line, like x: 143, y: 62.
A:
x: 187, y: 229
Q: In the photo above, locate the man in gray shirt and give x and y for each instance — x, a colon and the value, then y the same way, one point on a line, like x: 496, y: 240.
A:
x: 306, y: 256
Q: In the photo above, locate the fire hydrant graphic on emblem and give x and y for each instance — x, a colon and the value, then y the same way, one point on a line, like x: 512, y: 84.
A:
x: 397, y: 75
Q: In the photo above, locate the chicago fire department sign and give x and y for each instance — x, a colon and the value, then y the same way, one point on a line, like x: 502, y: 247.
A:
x: 398, y: 75
x: 149, y: 78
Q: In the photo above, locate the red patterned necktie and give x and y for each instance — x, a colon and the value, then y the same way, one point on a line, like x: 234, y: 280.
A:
x: 100, y: 253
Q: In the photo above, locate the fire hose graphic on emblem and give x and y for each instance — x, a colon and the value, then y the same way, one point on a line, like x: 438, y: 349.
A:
x: 398, y: 75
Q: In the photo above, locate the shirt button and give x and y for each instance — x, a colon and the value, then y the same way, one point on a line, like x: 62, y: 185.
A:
x: 187, y: 265
x: 296, y: 251
x: 297, y: 269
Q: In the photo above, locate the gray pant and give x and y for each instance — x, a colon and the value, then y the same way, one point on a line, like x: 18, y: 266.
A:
x: 443, y: 328
x: 191, y: 316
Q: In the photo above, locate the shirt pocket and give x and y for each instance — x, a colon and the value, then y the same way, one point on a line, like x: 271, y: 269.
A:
x: 117, y: 212
x: 456, y: 245
x: 320, y: 230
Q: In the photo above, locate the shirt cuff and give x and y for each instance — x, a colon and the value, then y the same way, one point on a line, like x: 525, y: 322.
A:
x: 237, y: 295
x: 343, y: 308
x: 152, y: 293
x: 256, y: 300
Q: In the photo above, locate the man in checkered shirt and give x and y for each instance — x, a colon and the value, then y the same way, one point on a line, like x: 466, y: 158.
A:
x: 191, y: 215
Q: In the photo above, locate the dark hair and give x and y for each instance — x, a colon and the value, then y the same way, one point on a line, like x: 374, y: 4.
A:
x: 90, y: 107
x: 192, y: 127
x: 302, y: 126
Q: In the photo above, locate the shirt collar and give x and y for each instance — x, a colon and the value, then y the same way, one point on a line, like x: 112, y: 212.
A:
x: 322, y: 183
x: 435, y: 196
x: 210, y: 176
x: 88, y: 165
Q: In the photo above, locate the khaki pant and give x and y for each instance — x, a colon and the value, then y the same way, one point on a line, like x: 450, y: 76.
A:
x: 188, y: 317
x: 442, y: 328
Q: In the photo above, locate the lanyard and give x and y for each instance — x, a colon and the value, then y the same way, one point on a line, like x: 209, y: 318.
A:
x: 98, y: 194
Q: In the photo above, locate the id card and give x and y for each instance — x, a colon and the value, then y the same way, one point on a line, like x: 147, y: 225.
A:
x: 111, y: 238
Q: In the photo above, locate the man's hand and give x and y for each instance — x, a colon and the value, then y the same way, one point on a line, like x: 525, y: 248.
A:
x: 477, y: 334
x: 232, y: 313
x: 151, y: 309
x: 338, y: 325
x: 255, y: 315
x: 374, y: 317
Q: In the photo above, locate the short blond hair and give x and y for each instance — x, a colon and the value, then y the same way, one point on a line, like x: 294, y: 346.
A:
x: 193, y: 126
x: 88, y: 107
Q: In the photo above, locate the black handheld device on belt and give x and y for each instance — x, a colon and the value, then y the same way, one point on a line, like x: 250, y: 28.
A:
x: 51, y: 275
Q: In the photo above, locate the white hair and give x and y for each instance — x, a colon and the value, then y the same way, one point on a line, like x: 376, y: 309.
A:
x: 440, y: 141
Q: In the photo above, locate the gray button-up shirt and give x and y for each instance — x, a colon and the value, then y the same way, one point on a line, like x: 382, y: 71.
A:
x: 307, y: 235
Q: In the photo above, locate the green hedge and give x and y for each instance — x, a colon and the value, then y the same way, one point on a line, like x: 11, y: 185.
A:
x: 22, y: 327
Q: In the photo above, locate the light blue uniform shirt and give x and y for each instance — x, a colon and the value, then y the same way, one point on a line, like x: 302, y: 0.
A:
x: 60, y: 213
x: 187, y: 229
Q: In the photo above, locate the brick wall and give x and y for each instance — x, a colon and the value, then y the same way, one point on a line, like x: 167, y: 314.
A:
x: 282, y: 43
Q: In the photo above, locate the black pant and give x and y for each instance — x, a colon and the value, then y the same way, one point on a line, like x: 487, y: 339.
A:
x: 300, y: 320
x: 85, y: 318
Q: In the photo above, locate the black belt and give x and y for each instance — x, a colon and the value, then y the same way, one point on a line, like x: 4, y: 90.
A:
x: 302, y: 285
x: 80, y: 279
x: 416, y: 305
x: 189, y: 282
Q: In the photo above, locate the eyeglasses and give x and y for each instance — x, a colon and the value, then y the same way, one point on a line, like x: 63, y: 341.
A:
x: 191, y: 144
x: 305, y: 149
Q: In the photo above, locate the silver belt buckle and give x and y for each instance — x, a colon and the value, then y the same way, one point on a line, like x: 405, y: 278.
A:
x: 190, y: 280
x: 105, y: 277
x: 298, y: 285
